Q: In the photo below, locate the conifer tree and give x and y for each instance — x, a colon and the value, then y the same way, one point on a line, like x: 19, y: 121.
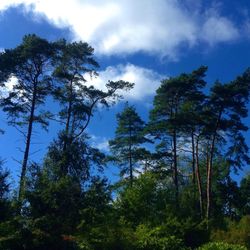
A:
x: 128, y: 139
x: 166, y: 121
x: 226, y: 108
x: 29, y: 65
x: 77, y: 99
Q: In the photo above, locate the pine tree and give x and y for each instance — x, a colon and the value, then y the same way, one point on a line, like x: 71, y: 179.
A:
x: 78, y: 100
x: 30, y: 65
x: 128, y: 139
x: 226, y: 108
x: 166, y: 121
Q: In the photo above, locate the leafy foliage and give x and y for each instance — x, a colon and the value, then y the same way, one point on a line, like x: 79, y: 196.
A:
x: 221, y: 246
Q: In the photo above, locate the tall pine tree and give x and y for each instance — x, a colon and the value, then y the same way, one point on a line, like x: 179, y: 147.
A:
x: 126, y: 146
x: 77, y: 99
x: 29, y: 64
x: 166, y: 121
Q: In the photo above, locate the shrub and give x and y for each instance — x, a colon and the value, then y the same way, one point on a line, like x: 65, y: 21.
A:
x: 156, y: 238
x: 236, y: 233
x: 221, y: 246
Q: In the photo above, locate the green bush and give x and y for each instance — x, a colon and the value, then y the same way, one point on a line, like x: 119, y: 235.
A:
x: 235, y: 233
x: 221, y: 246
x: 157, y: 239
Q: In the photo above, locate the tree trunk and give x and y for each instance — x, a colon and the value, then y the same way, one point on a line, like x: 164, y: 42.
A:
x: 198, y: 177
x: 27, y: 146
x: 130, y: 156
x: 69, y: 113
x: 209, y: 180
x: 210, y: 167
x: 175, y: 169
x: 67, y: 139
x: 193, y: 159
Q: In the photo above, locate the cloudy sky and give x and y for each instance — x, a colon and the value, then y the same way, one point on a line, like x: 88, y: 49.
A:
x: 141, y: 41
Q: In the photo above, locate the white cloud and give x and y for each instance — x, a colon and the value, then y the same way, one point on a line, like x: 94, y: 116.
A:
x: 8, y: 86
x: 146, y: 80
x: 101, y: 143
x: 219, y: 29
x: 129, y: 26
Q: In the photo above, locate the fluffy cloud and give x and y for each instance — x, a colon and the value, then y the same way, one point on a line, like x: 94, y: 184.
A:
x: 127, y: 26
x: 101, y: 143
x: 146, y: 80
x: 8, y: 86
x: 218, y: 29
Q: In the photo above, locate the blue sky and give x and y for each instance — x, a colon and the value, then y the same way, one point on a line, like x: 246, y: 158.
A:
x: 141, y: 41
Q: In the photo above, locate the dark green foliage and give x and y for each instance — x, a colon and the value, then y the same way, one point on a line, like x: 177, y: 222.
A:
x: 77, y: 159
x: 54, y: 208
x: 4, y: 193
x: 244, y: 204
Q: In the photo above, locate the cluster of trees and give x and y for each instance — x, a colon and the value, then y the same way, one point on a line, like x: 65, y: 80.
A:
x: 176, y: 189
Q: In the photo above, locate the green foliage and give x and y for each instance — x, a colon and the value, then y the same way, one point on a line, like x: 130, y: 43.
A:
x: 235, y: 232
x: 146, y: 200
x: 221, y: 246
x: 78, y: 159
x: 157, y: 238
x: 244, y: 204
x: 4, y: 191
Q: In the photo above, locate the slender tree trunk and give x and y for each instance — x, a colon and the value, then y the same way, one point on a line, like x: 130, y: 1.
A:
x: 69, y: 113
x: 209, y: 180
x: 67, y: 133
x: 193, y: 158
x: 210, y: 167
x: 130, y: 166
x: 175, y: 168
x: 198, y: 177
x: 27, y: 146
x: 130, y: 156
